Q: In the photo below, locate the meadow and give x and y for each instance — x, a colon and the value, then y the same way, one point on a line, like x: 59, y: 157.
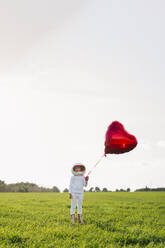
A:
x: 112, y: 220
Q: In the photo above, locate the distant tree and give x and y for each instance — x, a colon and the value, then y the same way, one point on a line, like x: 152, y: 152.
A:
x: 104, y: 190
x: 55, y: 189
x: 117, y: 190
x: 22, y: 188
x: 91, y: 189
x: 122, y: 190
x: 128, y: 190
x: 147, y: 189
x: 65, y: 190
x: 2, y: 186
x: 97, y: 189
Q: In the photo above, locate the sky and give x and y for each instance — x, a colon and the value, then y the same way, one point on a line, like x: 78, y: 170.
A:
x: 67, y: 70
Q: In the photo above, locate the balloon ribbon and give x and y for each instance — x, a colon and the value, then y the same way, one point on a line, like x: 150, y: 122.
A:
x: 96, y: 164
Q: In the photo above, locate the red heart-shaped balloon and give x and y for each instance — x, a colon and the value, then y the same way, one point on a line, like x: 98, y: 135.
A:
x: 118, y: 140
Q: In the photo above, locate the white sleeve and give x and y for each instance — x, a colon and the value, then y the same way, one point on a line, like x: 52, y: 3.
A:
x: 70, y: 185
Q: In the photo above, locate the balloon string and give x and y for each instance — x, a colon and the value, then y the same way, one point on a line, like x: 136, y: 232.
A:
x: 96, y: 164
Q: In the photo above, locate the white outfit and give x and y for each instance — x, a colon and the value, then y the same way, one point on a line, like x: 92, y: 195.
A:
x: 76, y: 186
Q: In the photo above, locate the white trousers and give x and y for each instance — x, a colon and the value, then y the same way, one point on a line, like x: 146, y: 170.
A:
x: 77, y: 197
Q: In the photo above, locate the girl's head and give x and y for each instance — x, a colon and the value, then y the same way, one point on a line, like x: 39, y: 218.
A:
x: 78, y: 169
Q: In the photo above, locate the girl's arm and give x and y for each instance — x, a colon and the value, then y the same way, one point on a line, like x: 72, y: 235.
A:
x: 86, y: 181
x: 70, y: 185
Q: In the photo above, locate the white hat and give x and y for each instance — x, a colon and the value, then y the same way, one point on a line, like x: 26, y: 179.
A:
x: 78, y: 173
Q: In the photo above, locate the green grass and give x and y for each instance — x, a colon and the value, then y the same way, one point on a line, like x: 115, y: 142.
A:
x: 112, y: 220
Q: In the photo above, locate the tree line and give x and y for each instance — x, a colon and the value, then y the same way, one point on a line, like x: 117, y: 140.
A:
x: 151, y: 189
x: 32, y: 187
x: 25, y: 187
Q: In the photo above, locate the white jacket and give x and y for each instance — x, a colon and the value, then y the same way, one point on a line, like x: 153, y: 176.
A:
x: 77, y: 184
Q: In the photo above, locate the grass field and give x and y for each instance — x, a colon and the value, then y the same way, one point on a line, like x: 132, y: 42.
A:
x: 111, y: 220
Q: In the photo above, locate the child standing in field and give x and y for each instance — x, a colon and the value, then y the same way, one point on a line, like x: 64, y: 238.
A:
x: 77, y: 183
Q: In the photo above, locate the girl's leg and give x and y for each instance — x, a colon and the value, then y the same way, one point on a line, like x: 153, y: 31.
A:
x: 80, y: 200
x: 73, y: 205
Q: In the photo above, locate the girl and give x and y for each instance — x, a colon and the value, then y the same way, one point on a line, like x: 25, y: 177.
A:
x: 77, y: 182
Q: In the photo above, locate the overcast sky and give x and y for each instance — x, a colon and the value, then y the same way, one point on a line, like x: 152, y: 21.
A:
x: 67, y: 70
